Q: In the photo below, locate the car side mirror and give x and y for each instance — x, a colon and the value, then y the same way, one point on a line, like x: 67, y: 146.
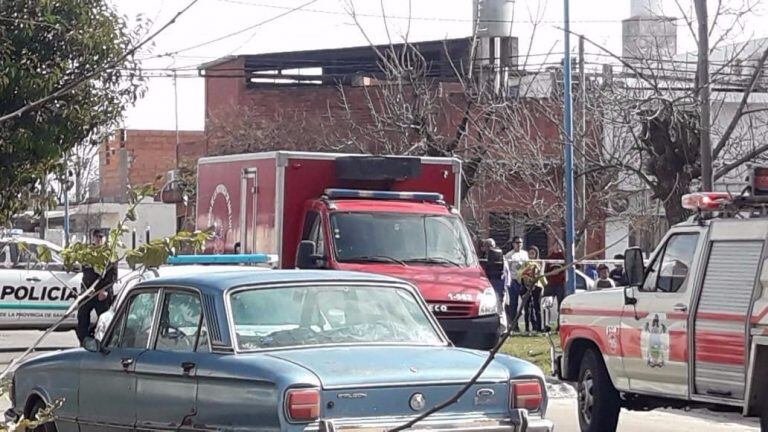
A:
x: 92, y: 345
x: 634, y: 266
x: 307, y: 257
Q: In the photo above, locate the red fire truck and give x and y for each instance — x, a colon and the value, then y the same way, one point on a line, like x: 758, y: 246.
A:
x: 389, y: 215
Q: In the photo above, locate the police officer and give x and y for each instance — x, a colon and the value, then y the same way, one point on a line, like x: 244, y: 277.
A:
x: 492, y: 261
x: 102, y: 299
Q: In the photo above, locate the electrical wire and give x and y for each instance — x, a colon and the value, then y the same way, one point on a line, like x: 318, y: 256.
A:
x: 235, y: 33
x: 429, y: 19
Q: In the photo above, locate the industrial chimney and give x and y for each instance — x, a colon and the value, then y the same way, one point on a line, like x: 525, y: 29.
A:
x: 497, y: 49
x: 648, y: 34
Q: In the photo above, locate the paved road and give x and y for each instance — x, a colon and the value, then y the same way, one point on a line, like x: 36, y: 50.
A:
x: 562, y: 409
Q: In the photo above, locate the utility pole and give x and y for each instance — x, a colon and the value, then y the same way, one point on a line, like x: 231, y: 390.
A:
x: 568, y: 129
x: 176, y: 114
x: 581, y: 181
x: 704, y: 97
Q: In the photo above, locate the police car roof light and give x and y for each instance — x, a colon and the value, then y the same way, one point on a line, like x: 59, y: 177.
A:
x: 706, y: 201
x: 384, y: 195
x: 223, y: 259
x: 16, y: 232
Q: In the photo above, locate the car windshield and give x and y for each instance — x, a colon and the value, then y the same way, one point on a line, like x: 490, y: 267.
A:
x: 307, y: 316
x: 401, y: 238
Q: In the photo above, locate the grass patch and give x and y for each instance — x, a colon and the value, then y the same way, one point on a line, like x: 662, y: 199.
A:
x: 533, y: 348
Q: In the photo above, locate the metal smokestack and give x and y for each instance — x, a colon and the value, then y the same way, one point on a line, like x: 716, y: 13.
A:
x: 495, y: 18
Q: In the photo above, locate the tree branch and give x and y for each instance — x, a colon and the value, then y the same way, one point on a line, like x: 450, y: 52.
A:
x: 742, y: 105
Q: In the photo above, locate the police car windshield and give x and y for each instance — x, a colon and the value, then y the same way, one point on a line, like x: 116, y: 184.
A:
x: 306, y: 316
x: 401, y: 238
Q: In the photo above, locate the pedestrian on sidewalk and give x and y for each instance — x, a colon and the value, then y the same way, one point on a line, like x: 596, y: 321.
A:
x: 103, y: 296
x: 513, y: 261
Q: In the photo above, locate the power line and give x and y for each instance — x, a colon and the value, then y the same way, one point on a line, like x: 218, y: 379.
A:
x: 235, y: 33
x: 79, y: 81
x: 432, y: 19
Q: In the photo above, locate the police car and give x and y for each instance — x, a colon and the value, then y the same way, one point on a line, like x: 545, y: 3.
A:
x: 33, y: 294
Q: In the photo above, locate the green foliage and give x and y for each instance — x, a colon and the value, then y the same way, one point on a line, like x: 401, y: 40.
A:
x: 44, y: 46
x: 156, y: 252
x: 152, y: 254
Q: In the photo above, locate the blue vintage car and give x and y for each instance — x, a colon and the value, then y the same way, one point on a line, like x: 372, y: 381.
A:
x: 276, y: 351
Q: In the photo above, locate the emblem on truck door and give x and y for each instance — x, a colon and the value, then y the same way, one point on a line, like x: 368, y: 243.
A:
x: 654, y: 341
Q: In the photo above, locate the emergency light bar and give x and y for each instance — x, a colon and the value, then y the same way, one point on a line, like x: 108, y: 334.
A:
x: 707, y: 201
x: 384, y: 195
x: 223, y: 259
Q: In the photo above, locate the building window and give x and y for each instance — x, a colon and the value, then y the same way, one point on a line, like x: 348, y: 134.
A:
x: 506, y: 226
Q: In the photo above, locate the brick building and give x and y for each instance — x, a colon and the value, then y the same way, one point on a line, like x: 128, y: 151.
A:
x: 137, y: 157
x: 288, y: 100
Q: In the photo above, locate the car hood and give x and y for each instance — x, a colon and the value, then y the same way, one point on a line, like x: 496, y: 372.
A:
x: 353, y: 367
x: 434, y: 282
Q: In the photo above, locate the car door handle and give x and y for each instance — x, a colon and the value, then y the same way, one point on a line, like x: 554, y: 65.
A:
x: 126, y: 362
x: 33, y: 279
x: 680, y: 308
x: 187, y: 366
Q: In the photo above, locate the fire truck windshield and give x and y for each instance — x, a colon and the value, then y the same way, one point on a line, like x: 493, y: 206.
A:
x: 401, y: 238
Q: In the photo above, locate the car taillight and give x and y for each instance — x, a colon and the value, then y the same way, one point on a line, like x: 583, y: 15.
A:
x: 303, y: 404
x: 527, y: 394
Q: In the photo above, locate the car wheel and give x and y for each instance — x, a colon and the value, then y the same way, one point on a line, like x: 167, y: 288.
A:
x: 38, y: 406
x: 598, y: 400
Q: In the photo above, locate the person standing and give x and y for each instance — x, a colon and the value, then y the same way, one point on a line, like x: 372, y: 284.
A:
x: 533, y: 281
x: 103, y: 291
x: 603, y: 278
x: 492, y: 261
x: 618, y: 274
x: 513, y: 262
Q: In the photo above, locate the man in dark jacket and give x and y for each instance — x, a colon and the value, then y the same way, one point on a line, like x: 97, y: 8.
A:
x: 102, y: 299
x: 492, y: 261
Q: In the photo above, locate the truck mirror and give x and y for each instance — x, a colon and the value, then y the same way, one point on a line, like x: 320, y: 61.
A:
x: 306, y: 257
x: 634, y: 266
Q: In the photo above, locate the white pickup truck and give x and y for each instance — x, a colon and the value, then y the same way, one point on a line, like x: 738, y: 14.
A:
x: 691, y: 330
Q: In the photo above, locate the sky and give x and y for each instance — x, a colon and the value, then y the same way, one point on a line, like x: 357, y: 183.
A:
x: 327, y: 24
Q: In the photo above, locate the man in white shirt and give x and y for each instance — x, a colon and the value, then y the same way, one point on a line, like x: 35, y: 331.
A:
x: 513, y: 261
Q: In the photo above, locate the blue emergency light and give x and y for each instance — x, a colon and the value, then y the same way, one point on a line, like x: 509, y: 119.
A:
x: 223, y: 259
x: 384, y: 195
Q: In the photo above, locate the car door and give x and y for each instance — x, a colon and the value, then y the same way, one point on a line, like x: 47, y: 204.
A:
x: 655, y: 330
x: 50, y: 288
x: 10, y: 280
x: 166, y: 374
x: 107, y: 398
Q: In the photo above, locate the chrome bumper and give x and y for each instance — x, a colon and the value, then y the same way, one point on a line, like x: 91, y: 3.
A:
x: 517, y: 422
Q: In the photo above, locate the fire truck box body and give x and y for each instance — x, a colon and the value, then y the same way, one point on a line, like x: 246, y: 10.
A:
x: 271, y: 202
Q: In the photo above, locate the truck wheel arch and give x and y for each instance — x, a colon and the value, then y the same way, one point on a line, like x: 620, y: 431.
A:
x: 757, y: 398
x: 573, y: 353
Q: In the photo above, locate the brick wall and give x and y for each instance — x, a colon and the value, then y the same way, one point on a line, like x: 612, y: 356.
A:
x: 136, y: 157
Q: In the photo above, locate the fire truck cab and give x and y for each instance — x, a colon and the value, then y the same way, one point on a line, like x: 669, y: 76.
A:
x: 691, y: 329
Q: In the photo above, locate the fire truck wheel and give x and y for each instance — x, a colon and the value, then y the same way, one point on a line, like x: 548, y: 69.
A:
x: 598, y: 400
